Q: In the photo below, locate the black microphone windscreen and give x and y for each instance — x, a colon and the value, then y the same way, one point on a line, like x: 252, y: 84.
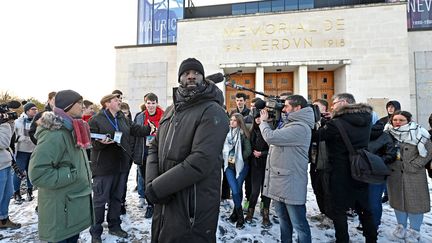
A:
x: 13, y: 104
x: 216, y: 78
x: 260, y: 104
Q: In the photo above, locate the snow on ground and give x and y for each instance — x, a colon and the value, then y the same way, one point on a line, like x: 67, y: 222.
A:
x: 139, y: 228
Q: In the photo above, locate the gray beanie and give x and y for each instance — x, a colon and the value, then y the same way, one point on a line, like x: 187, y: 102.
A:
x: 65, y: 99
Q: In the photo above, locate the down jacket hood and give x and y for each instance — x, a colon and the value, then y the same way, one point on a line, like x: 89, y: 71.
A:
x: 305, y: 115
x: 354, y: 114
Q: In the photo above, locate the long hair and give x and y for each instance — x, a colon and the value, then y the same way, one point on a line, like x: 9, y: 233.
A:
x: 241, y: 124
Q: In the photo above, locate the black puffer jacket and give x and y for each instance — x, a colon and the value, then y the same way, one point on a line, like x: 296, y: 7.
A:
x: 184, y: 164
x: 356, y: 120
x: 109, y: 159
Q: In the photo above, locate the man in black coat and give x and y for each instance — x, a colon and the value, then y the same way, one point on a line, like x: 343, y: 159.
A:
x: 183, y: 172
x: 345, y: 191
x: 111, y: 163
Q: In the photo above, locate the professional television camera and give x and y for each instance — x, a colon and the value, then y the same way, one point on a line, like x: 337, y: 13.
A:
x: 6, y: 114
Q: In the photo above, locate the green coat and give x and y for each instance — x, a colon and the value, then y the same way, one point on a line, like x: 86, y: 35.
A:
x: 61, y: 172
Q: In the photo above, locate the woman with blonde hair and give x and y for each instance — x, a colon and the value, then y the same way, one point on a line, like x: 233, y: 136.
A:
x: 236, y: 150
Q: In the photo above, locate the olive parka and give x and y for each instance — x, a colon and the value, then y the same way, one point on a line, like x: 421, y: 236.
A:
x: 62, y: 173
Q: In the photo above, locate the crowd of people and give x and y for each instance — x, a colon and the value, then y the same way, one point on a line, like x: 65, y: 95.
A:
x: 195, y: 155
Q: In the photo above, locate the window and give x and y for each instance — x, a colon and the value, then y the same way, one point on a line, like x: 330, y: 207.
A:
x: 251, y: 8
x: 277, y: 5
x: 305, y: 4
x: 238, y: 9
x: 291, y: 4
x: 264, y: 7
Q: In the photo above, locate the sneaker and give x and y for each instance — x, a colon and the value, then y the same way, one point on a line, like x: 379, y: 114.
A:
x: 149, y: 212
x: 119, y: 232
x: 399, y: 232
x: 7, y: 223
x: 141, y: 202
x: 412, y: 236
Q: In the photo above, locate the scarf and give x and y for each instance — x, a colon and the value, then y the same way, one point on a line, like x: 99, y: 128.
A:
x: 411, y: 133
x: 155, y: 118
x: 184, y: 95
x: 233, y: 142
x: 80, y: 129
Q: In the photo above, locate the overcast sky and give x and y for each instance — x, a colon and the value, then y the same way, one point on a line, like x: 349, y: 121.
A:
x: 50, y: 45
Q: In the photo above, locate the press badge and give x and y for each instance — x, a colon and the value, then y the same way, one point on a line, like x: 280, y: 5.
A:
x: 117, y: 137
x: 149, y: 139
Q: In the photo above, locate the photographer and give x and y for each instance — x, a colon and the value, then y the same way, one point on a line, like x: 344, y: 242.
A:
x: 286, y: 170
x: 6, y: 189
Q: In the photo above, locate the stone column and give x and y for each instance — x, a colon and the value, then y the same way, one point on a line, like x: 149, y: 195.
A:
x: 259, y: 80
x: 301, y: 81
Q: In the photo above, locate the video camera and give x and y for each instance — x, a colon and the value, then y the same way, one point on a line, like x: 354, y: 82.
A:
x: 6, y: 114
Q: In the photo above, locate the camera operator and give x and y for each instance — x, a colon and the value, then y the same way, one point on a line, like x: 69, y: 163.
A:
x: 286, y: 170
x: 6, y: 188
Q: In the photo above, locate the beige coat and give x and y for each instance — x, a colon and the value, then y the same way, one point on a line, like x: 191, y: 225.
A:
x: 407, y: 185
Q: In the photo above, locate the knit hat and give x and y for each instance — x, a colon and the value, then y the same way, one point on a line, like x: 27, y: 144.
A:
x: 107, y: 98
x: 190, y: 64
x: 65, y: 99
x: 28, y: 106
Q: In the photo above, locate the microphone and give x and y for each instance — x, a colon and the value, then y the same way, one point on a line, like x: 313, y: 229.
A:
x: 234, y: 85
x: 219, y: 77
x: 13, y: 104
x: 216, y: 77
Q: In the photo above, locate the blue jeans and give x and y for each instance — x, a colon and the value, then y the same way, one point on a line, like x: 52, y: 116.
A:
x: 22, y: 160
x: 141, y: 186
x: 6, y: 191
x: 293, y: 216
x: 375, y: 194
x: 236, y: 184
x: 416, y: 220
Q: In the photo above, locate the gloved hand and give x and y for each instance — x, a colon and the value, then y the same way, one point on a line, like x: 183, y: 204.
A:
x: 152, y: 197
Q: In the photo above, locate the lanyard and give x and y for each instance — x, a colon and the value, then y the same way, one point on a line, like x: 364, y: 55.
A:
x: 115, y: 125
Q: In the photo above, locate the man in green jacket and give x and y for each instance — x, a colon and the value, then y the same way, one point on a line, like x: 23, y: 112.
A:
x: 59, y: 168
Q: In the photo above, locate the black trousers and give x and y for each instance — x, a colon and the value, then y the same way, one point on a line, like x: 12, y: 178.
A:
x: 225, y: 188
x: 248, y: 185
x: 109, y: 190
x: 317, y: 187
x: 362, y: 207
x: 257, y: 171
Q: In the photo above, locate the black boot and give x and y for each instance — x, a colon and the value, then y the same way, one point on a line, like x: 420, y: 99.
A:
x: 17, y: 197
x: 240, y: 218
x: 233, y: 217
x: 30, y: 194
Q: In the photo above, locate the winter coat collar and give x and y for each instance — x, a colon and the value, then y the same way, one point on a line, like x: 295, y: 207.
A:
x: 353, y: 109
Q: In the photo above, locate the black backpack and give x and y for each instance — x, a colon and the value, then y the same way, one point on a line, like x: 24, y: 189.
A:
x: 365, y: 166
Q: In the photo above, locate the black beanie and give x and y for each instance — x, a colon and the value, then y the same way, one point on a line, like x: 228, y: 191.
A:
x: 65, y: 99
x: 28, y: 106
x: 190, y: 64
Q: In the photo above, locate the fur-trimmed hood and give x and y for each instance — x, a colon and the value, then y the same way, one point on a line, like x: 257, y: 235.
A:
x: 50, y: 121
x: 357, y: 114
x: 353, y: 108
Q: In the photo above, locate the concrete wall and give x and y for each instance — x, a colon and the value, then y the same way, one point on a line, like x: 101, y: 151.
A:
x: 420, y: 62
x: 374, y: 38
x: 140, y: 70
